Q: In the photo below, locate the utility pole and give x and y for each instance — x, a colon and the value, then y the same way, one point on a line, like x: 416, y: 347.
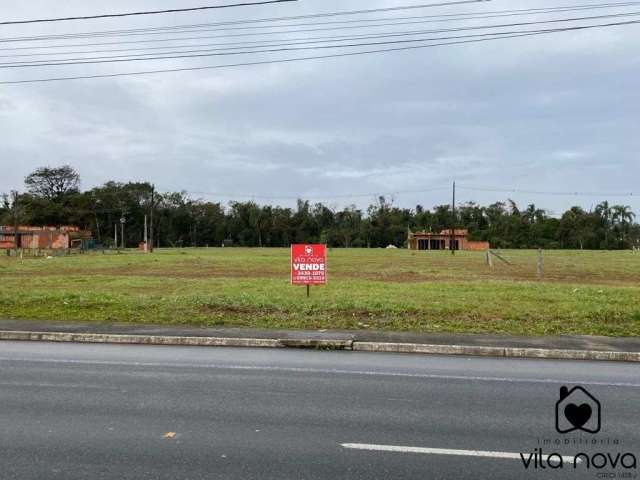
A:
x: 15, y: 221
x: 95, y: 213
x: 453, y: 222
x: 122, y: 222
x: 115, y: 235
x: 153, y: 189
x: 539, y: 270
x: 146, y: 240
x: 97, y: 226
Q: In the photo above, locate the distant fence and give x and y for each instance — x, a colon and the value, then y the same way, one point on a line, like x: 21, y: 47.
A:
x: 55, y: 252
x: 41, y: 252
x: 491, y: 255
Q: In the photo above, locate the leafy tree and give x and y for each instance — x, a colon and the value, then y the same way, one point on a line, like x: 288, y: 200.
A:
x: 622, y: 217
x: 5, y: 210
x: 52, y: 183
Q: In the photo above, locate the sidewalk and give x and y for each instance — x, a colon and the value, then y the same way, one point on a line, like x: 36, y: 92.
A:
x: 574, y: 347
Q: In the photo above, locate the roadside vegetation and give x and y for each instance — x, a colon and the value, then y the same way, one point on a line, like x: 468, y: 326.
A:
x: 180, y: 219
x: 582, y: 292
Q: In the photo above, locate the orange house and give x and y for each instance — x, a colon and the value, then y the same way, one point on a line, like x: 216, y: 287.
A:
x: 53, y: 238
x: 444, y: 241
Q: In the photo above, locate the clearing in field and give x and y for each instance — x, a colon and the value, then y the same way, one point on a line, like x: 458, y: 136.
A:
x: 584, y: 292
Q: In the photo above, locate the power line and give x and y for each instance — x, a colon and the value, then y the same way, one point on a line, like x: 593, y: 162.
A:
x: 404, y: 192
x: 363, y: 195
x: 538, y: 192
x: 307, y: 41
x: 449, y: 17
x: 206, y: 37
x: 422, y: 19
x: 304, y: 197
x: 148, y: 12
x: 316, y: 57
x: 318, y: 47
x: 226, y: 53
x: 284, y: 32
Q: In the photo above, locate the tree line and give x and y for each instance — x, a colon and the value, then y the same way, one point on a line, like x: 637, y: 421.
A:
x: 53, y: 196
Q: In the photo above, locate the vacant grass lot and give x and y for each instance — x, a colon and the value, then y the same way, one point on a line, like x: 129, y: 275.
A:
x: 582, y: 291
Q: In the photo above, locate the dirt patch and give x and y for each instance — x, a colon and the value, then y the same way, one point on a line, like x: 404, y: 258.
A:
x: 417, y: 271
x: 210, y: 309
x: 127, y: 271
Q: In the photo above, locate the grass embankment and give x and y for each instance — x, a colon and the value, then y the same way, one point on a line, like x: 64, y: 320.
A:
x: 582, y: 292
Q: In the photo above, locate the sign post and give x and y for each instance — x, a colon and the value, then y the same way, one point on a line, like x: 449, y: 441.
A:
x: 308, y: 265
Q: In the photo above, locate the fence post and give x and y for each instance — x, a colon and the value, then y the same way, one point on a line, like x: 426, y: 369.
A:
x: 539, y: 264
x: 489, y: 259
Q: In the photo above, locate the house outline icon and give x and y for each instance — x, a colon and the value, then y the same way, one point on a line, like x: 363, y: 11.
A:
x: 568, y: 396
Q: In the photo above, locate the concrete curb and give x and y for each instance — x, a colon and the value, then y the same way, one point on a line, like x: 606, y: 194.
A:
x: 324, y: 344
x: 140, y: 339
x: 428, y: 349
x: 558, y: 354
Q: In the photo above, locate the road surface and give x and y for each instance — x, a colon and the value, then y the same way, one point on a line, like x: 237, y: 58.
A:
x: 144, y: 412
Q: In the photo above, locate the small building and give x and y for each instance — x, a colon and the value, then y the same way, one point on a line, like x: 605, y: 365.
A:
x: 45, y: 238
x: 444, y: 241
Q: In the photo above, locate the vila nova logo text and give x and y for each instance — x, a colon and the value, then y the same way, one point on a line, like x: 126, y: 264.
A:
x: 577, y: 410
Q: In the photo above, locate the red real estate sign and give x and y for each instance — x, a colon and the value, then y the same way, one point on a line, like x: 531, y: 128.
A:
x: 308, y: 264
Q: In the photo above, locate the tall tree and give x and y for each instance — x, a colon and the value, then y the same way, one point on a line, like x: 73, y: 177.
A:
x: 52, y: 183
x: 622, y: 217
x: 622, y: 214
x: 603, y: 210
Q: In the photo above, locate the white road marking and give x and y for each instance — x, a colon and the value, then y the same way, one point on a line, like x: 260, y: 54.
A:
x: 445, y: 451
x: 329, y: 371
x: 55, y: 385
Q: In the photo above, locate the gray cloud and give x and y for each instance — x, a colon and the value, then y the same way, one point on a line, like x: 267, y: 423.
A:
x: 539, y: 113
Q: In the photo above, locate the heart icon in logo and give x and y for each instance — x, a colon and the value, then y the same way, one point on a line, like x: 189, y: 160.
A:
x: 578, y: 416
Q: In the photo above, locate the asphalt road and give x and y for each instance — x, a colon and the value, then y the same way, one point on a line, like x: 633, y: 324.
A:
x: 102, y: 411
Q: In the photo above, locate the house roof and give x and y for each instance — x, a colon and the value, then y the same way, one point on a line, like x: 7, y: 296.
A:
x: 10, y: 229
x: 458, y: 232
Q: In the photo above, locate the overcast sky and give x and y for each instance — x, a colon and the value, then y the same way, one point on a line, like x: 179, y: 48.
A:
x: 544, y: 113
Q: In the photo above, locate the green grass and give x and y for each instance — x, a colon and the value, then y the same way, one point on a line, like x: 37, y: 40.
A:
x: 582, y: 292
